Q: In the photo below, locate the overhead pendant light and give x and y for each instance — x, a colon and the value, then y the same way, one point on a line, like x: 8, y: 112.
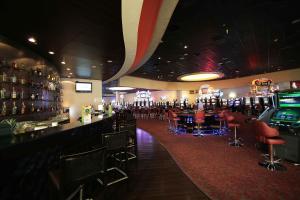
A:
x: 51, y: 52
x: 201, y: 76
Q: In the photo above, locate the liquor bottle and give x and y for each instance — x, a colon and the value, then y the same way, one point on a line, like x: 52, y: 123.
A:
x: 13, y: 93
x: 4, y: 77
x: 32, y: 107
x: 14, y: 78
x: 3, y: 109
x: 32, y: 95
x: 37, y: 96
x: 14, y: 108
x: 23, y: 108
x: 2, y: 93
x: 22, y: 94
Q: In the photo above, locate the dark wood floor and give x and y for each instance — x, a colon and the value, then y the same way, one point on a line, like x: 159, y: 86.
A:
x: 153, y: 176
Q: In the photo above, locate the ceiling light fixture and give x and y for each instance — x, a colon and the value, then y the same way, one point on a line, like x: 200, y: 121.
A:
x: 94, y: 66
x: 185, y: 46
x: 70, y: 73
x: 63, y: 62
x: 51, y: 52
x: 120, y: 88
x: 109, y: 61
x: 68, y: 69
x: 201, y: 76
x: 185, y: 54
x: 159, y: 58
x: 32, y: 40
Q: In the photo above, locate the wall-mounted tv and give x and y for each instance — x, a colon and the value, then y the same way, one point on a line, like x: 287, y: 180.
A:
x: 83, y: 87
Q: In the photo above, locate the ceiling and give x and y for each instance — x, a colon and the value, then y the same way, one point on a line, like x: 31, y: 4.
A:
x: 85, y: 34
x: 238, y: 38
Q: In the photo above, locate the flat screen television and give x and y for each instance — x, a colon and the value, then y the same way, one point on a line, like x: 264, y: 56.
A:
x: 83, y: 87
x: 289, y: 99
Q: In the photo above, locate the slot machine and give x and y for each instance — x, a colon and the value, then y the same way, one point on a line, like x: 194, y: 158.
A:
x: 287, y: 118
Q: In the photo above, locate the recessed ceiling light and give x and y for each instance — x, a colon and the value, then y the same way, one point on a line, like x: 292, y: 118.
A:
x: 69, y: 76
x: 227, y: 31
x: 172, y: 72
x: 201, y: 76
x: 159, y: 58
x: 181, y: 58
x: 68, y: 69
x: 109, y: 61
x: 276, y: 40
x: 168, y: 61
x: 185, y: 54
x: 32, y: 40
x: 185, y: 46
x: 94, y: 66
x: 63, y: 62
x: 70, y: 73
x: 51, y: 52
x: 120, y: 88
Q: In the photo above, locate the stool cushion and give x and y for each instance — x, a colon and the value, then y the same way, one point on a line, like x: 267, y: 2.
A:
x: 233, y: 125
x: 199, y: 121
x: 274, y: 140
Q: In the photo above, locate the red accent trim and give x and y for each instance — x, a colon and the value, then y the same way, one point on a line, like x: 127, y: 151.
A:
x: 148, y: 18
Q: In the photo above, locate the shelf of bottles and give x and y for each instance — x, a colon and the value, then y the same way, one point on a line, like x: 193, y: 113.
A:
x: 27, y: 91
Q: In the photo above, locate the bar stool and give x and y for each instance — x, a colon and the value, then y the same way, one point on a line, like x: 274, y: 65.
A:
x: 174, y: 120
x: 232, y: 123
x: 199, y: 120
x: 75, y: 171
x: 116, y: 144
x: 222, y: 125
x: 270, y: 136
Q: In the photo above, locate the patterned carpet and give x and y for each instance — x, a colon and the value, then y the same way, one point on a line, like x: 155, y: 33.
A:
x: 225, y: 172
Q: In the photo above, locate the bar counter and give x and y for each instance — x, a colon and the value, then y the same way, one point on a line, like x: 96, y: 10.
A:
x: 17, y: 145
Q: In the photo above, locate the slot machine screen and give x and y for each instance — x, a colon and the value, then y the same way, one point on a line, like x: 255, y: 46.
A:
x: 256, y: 100
x: 237, y: 102
x: 266, y: 100
x: 247, y: 101
x: 289, y: 99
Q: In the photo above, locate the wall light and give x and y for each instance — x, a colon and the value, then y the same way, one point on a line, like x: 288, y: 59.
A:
x: 120, y: 88
x: 201, y: 76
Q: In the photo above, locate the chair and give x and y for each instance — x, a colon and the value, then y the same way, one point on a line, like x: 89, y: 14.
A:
x: 116, y: 144
x: 270, y: 136
x: 76, y: 170
x: 199, y: 120
x: 232, y: 123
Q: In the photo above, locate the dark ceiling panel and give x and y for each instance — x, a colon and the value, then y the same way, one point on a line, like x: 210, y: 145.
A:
x: 83, y: 33
x: 238, y: 38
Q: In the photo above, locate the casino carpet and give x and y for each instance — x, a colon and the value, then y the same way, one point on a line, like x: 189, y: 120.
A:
x: 225, y: 172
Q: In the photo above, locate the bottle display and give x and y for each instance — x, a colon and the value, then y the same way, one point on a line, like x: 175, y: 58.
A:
x: 29, y: 88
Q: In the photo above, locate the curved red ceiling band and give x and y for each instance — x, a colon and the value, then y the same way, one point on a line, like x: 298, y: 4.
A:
x: 149, y: 15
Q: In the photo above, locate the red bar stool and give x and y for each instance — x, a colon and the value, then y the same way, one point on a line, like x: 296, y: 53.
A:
x: 222, y: 125
x: 199, y: 120
x: 232, y: 123
x: 270, y: 136
x: 174, y: 121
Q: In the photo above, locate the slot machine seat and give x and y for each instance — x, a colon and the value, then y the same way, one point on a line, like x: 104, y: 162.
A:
x: 199, y: 120
x: 270, y: 136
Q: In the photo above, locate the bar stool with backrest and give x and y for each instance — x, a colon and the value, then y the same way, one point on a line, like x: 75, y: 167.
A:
x: 199, y: 120
x: 131, y: 143
x: 116, y: 144
x: 270, y: 136
x: 75, y: 171
x: 233, y: 123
